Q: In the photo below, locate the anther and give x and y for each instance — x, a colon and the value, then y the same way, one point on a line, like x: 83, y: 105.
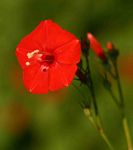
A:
x: 45, y: 68
x: 27, y: 63
x: 31, y: 54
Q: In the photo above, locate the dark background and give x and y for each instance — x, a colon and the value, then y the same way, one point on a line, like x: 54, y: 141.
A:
x: 55, y: 121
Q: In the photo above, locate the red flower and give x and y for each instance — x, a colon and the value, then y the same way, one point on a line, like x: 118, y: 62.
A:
x: 48, y: 57
x: 96, y: 46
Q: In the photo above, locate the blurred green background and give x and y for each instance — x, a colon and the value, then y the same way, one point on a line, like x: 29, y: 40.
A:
x: 55, y: 121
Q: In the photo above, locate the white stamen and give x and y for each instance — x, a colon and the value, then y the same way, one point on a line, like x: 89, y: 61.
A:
x: 45, y: 68
x: 39, y: 55
x: 27, y: 63
x: 31, y: 54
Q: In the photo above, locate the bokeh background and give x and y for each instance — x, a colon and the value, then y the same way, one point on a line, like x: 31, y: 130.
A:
x: 55, y: 121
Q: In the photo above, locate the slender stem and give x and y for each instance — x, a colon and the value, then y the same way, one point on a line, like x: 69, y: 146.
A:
x: 114, y: 98
x: 111, y: 73
x: 124, y: 119
x: 127, y: 133
x: 102, y: 133
x: 119, y: 85
x: 106, y: 139
x: 88, y: 114
x: 98, y: 121
x: 98, y: 126
x: 91, y: 86
x: 125, y: 123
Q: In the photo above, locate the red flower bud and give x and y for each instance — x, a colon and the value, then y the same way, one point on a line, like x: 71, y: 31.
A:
x: 113, y: 53
x: 110, y: 46
x: 96, y: 46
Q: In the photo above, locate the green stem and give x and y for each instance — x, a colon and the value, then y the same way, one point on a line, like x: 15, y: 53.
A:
x: 98, y: 121
x: 97, y: 126
x: 114, y: 98
x: 119, y: 85
x: 124, y: 119
x: 88, y: 114
x: 127, y: 133
x: 102, y: 133
x: 91, y: 86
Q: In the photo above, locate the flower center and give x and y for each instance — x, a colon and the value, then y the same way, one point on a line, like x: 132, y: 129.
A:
x: 49, y: 59
x: 46, y: 60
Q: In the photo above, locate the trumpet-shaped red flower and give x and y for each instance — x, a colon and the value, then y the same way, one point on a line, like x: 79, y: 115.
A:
x: 48, y: 57
x: 96, y: 46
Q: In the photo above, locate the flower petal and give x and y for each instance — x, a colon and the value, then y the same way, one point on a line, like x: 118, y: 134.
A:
x: 36, y: 80
x: 69, y: 53
x: 56, y: 36
x: 35, y: 40
x: 22, y: 58
x: 50, y: 39
x: 61, y: 76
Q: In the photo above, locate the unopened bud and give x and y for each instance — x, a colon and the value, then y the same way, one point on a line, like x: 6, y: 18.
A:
x: 110, y: 46
x: 113, y: 53
x: 96, y: 46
